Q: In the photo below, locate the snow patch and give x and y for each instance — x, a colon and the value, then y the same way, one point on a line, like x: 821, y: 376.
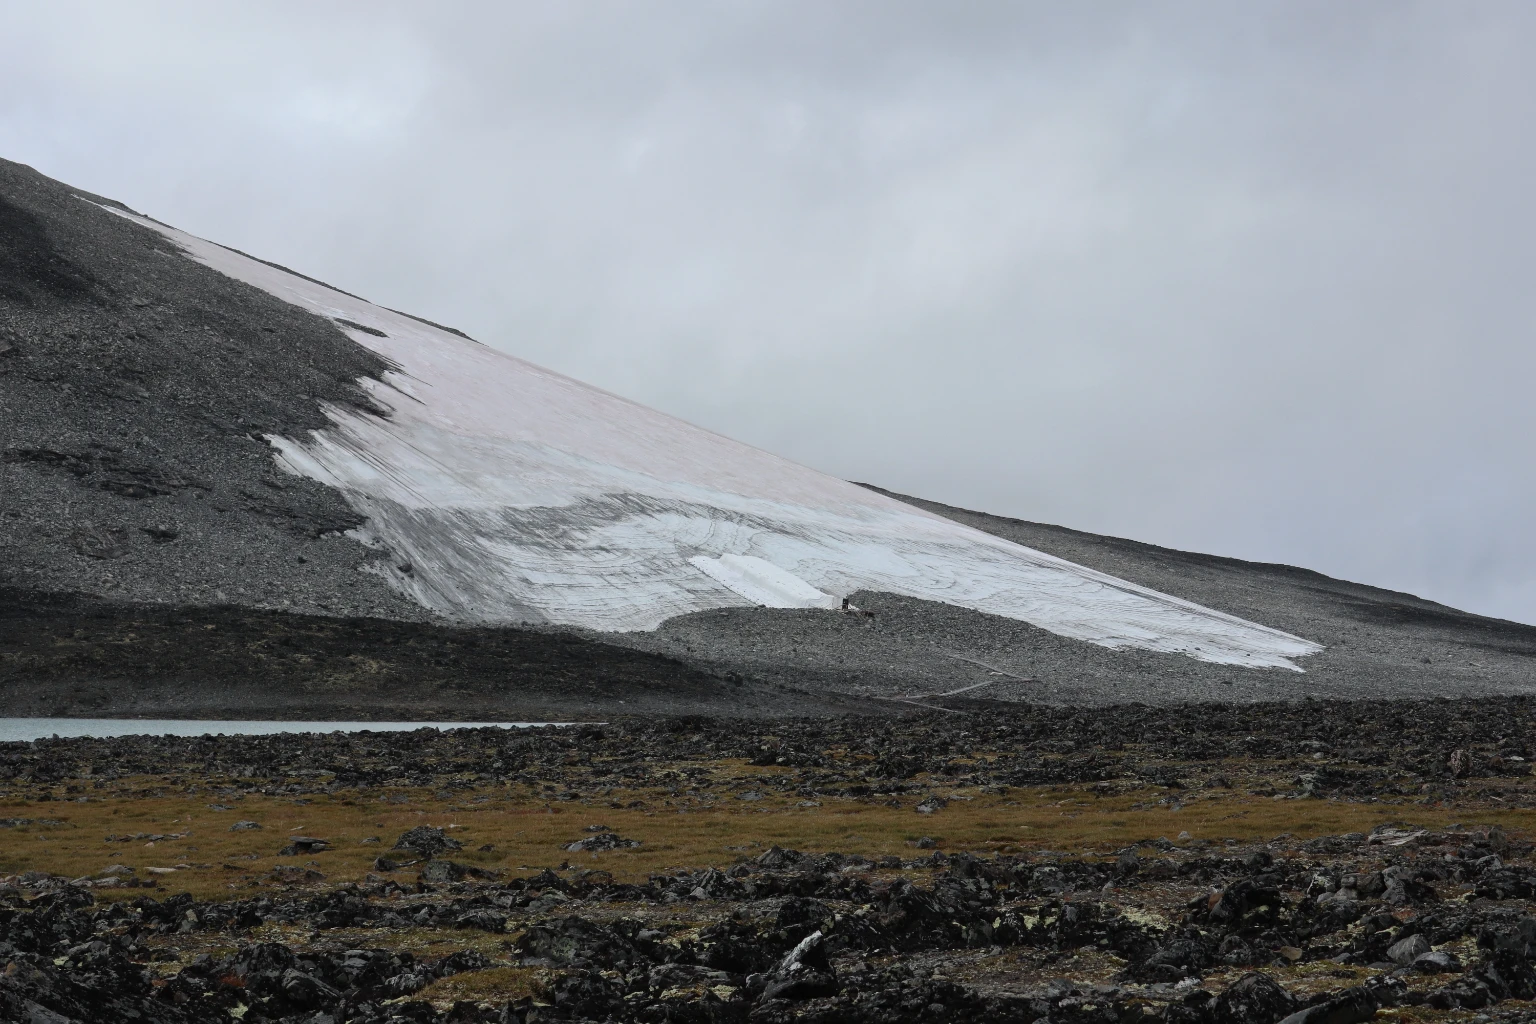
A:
x: 763, y: 583
x: 515, y: 494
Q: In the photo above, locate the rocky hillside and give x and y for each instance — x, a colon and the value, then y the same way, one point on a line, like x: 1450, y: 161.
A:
x: 210, y: 506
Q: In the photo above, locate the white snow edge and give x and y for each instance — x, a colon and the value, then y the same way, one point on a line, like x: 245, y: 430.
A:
x: 517, y: 494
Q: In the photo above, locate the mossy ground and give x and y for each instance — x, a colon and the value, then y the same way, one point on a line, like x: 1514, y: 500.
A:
x: 520, y: 829
x: 697, y: 794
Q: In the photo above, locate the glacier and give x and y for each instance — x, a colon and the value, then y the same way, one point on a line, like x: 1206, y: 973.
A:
x: 503, y: 492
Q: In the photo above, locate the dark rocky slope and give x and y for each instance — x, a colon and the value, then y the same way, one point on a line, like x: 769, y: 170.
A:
x: 139, y: 504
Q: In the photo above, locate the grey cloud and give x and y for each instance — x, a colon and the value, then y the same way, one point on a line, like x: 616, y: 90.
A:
x: 1250, y: 279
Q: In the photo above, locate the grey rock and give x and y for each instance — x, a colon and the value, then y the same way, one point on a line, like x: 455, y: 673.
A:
x: 776, y: 857
x: 1253, y: 999
x: 427, y: 841
x: 1406, y: 951
x: 306, y: 989
x: 298, y: 845
x: 550, y: 900
x: 482, y: 920
x: 1518, y: 937
x: 1366, y: 883
x: 442, y: 872
x: 1352, y: 1006
x: 803, y: 973
x: 37, y: 1014
x: 1488, y: 863
x: 1436, y: 961
x: 601, y: 841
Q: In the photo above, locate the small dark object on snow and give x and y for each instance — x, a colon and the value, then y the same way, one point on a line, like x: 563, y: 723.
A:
x: 849, y: 608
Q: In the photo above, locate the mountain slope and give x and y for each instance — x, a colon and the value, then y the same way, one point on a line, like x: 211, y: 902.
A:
x: 187, y: 428
x: 503, y: 492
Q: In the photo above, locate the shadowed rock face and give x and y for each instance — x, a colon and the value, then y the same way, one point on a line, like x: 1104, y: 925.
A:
x: 140, y: 389
x: 31, y: 269
x: 62, y: 656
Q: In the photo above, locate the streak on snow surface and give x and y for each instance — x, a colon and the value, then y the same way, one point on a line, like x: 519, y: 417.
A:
x: 508, y: 493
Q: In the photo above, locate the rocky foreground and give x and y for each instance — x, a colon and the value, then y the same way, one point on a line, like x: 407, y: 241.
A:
x: 1313, y: 862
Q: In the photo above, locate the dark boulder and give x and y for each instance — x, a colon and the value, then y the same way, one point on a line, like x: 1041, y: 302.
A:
x: 1351, y: 1006
x: 303, y: 844
x: 427, y: 841
x: 804, y: 973
x: 1253, y: 999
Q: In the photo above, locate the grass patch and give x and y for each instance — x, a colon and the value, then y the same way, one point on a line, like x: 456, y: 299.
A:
x: 492, y: 985
x: 517, y: 829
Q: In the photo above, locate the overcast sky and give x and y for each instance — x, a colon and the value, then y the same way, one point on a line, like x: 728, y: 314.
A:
x: 1252, y: 279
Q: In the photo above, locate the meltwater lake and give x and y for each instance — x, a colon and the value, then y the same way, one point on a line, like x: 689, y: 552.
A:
x: 14, y: 730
